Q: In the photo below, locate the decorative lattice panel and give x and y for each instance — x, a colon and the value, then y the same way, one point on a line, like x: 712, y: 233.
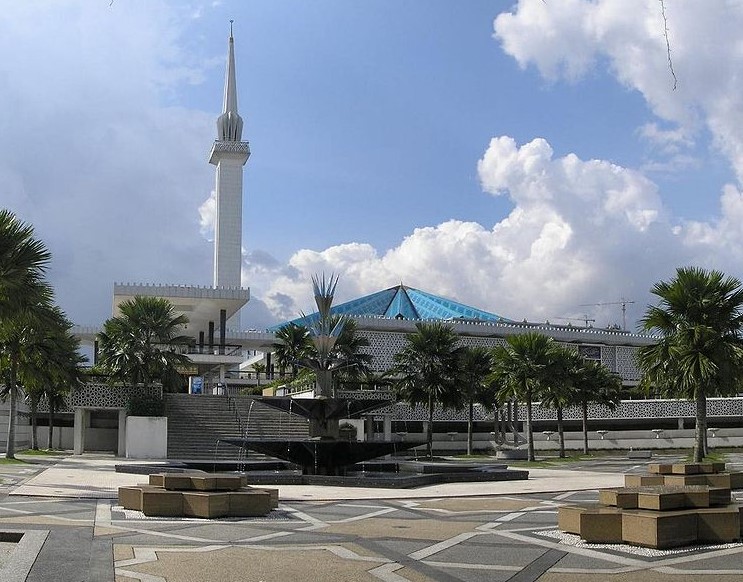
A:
x: 609, y: 357
x: 102, y: 395
x: 626, y: 363
x: 645, y: 409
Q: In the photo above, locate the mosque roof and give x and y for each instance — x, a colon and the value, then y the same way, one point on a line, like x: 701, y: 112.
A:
x: 403, y: 302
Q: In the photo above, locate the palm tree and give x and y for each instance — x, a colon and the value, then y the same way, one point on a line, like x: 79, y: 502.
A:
x: 520, y: 369
x: 138, y: 346
x: 259, y: 368
x: 293, y: 345
x: 700, y: 353
x: 594, y: 383
x: 50, y: 367
x: 23, y: 261
x: 557, y: 390
x: 475, y: 366
x: 427, y: 369
x: 18, y: 335
x: 348, y: 351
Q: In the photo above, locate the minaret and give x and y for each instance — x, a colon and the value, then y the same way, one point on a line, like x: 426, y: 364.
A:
x: 229, y: 154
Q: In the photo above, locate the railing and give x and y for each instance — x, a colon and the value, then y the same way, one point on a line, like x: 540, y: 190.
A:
x: 232, y: 405
x: 216, y: 350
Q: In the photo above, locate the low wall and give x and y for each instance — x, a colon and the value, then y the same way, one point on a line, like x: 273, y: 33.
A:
x: 456, y: 442
x: 146, y: 437
x: 22, y: 430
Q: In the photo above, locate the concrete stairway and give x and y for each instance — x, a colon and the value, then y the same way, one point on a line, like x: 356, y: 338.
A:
x: 197, y: 423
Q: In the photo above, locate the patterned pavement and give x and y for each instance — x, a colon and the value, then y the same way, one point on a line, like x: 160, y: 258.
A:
x: 449, y: 538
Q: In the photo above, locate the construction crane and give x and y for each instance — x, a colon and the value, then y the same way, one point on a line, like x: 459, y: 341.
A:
x: 586, y: 319
x: 623, y: 302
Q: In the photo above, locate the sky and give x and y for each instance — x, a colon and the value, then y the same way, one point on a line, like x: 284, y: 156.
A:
x: 541, y: 160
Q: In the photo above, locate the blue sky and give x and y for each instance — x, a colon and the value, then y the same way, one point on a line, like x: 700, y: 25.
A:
x: 525, y: 158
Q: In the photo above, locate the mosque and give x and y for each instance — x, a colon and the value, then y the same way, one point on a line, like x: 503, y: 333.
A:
x: 223, y: 356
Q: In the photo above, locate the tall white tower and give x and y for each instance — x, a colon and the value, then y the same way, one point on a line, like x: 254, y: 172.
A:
x: 229, y: 153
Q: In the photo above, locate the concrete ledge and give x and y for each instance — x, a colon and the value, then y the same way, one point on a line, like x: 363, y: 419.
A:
x: 206, y: 504
x: 250, y: 503
x: 161, y: 503
x: 660, y: 530
x: 718, y: 524
x: 661, y: 500
x: 625, y: 498
x: 643, y: 480
x: 595, y: 524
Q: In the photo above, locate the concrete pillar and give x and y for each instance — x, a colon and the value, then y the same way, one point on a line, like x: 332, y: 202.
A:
x: 681, y: 423
x: 387, y: 427
x: 121, y: 452
x: 81, y: 419
x: 222, y: 330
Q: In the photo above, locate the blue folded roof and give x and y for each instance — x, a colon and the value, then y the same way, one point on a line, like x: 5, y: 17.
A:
x: 403, y: 302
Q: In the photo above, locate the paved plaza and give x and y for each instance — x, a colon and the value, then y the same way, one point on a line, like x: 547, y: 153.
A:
x: 73, y: 530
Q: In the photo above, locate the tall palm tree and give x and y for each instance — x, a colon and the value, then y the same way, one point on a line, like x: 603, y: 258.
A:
x: 50, y: 367
x: 427, y: 369
x: 23, y: 261
x: 18, y: 335
x: 594, y: 383
x: 138, y: 346
x: 700, y: 354
x: 557, y: 390
x: 520, y: 369
x: 293, y: 344
x: 475, y: 367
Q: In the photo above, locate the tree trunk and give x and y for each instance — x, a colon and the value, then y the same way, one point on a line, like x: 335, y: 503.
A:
x: 50, y: 434
x: 429, y: 429
x: 529, y: 433
x: 12, y: 409
x: 584, y: 410
x: 515, y: 425
x: 502, y: 416
x: 701, y: 426
x: 469, y: 428
x: 34, y: 436
x: 561, y: 432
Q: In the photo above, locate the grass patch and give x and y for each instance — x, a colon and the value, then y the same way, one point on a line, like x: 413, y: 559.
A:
x: 712, y: 457
x: 552, y: 462
x: 41, y: 452
x: 4, y: 461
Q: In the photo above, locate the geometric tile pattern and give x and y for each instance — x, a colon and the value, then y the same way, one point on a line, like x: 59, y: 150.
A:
x: 447, y: 537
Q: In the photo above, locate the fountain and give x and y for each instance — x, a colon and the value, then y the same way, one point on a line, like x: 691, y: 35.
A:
x: 326, y: 458
x: 324, y: 453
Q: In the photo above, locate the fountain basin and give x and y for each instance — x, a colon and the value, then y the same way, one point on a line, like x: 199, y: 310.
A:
x: 322, y: 457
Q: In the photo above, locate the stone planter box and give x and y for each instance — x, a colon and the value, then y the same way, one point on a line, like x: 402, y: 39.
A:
x: 146, y: 437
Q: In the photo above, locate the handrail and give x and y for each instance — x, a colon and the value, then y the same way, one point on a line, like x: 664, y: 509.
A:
x: 232, y: 404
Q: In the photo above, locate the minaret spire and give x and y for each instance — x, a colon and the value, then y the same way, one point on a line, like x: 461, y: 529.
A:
x: 229, y: 154
x: 230, y: 124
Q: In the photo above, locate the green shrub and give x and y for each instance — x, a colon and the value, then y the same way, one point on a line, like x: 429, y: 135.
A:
x: 145, y: 406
